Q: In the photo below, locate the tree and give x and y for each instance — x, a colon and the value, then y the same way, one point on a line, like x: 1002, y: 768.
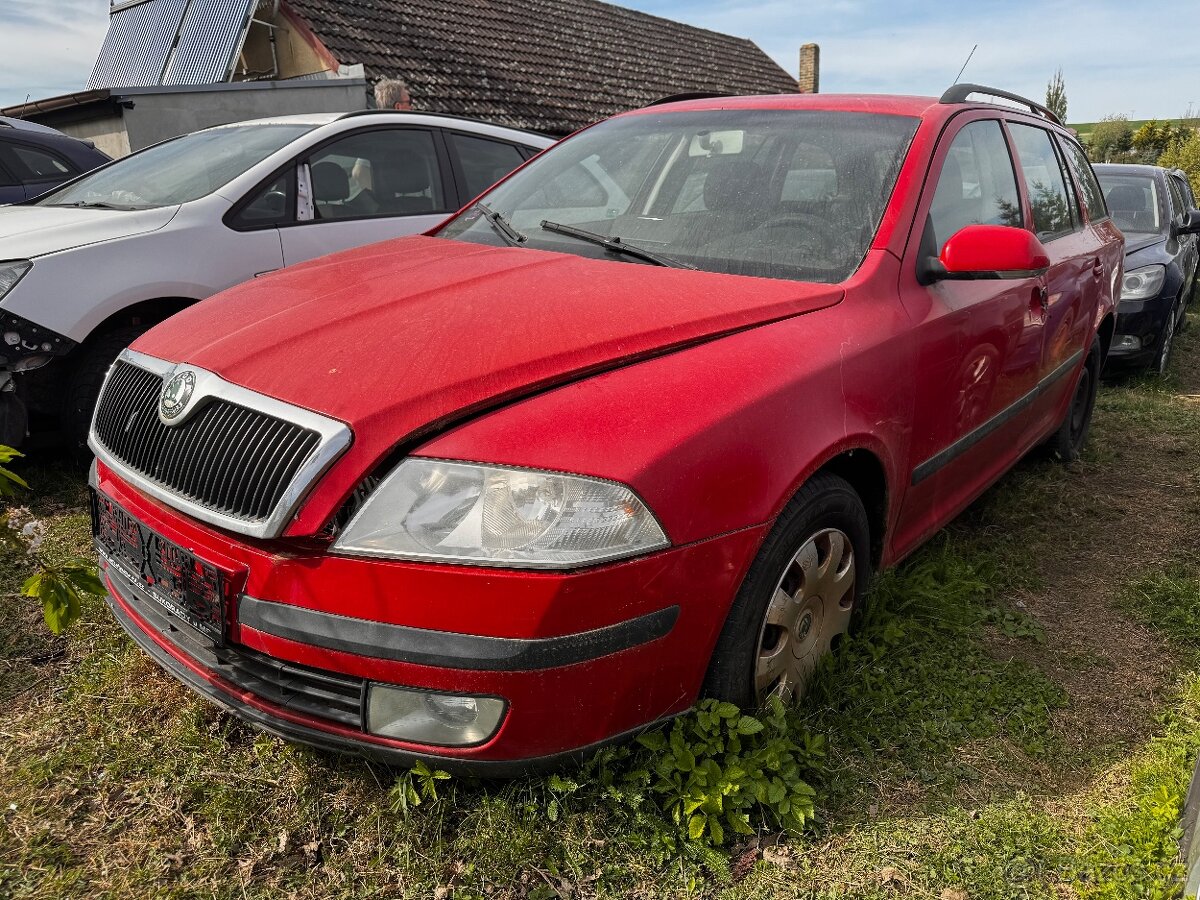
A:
x: 1111, y: 139
x: 1153, y: 138
x: 1184, y: 153
x: 1056, y: 96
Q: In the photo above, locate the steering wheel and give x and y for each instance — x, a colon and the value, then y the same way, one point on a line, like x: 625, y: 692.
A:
x: 815, y: 226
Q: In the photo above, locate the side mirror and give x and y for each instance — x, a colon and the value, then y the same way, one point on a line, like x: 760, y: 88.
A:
x: 1188, y: 222
x: 987, y: 252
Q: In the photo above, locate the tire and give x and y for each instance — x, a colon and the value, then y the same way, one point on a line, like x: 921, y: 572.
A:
x: 84, y: 383
x: 1067, y: 442
x: 1166, y: 343
x: 766, y: 628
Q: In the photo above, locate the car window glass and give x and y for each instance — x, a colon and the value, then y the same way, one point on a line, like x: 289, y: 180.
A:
x: 40, y: 165
x: 6, y: 178
x: 1093, y: 197
x: 1048, y: 195
x: 273, y: 204
x: 977, y: 185
x: 1177, y: 207
x: 765, y: 193
x: 483, y: 162
x: 390, y: 172
x: 179, y: 170
x: 1133, y: 202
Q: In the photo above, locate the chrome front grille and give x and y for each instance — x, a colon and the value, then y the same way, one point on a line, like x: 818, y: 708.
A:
x: 236, y: 458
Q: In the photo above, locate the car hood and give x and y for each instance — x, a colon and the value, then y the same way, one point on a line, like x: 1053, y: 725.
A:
x: 1135, y: 241
x: 398, y: 337
x: 27, y: 232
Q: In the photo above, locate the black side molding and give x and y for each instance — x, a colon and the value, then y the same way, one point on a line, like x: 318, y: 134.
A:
x: 447, y: 649
x: 971, y: 438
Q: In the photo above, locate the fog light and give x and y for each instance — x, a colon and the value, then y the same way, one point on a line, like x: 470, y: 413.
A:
x: 425, y: 717
x: 1127, y: 342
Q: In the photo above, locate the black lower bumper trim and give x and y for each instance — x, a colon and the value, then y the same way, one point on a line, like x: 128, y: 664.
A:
x: 446, y: 649
x: 337, y: 743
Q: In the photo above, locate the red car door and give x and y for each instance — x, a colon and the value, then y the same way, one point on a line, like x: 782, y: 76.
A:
x: 979, y: 353
x: 1073, y: 281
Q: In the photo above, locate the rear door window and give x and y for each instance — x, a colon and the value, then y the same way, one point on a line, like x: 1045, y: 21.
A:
x: 41, y: 165
x: 483, y: 162
x: 1093, y: 197
x: 1050, y: 199
x: 977, y: 185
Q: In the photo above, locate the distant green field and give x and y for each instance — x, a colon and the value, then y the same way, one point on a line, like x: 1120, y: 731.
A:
x: 1085, y: 128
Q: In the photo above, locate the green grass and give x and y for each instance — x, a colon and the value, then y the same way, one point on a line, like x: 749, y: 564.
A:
x: 1016, y: 716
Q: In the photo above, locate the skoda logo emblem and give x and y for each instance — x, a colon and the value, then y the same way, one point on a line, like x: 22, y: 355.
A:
x: 176, y: 394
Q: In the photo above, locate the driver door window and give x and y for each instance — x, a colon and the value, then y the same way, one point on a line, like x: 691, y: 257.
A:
x: 369, y: 186
x: 977, y: 185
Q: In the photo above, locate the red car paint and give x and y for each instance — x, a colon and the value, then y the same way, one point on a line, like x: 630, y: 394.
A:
x: 713, y: 396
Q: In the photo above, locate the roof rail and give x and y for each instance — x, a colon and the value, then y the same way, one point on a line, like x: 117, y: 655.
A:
x: 688, y: 95
x: 374, y: 111
x: 958, y: 93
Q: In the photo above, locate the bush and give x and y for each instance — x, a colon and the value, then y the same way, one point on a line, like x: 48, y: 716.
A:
x: 1184, y: 153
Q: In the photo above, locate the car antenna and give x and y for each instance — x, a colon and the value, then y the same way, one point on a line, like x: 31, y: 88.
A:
x: 964, y: 65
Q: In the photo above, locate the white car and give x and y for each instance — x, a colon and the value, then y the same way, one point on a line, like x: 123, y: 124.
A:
x: 87, y: 268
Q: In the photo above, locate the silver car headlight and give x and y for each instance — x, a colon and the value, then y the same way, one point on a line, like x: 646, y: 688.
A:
x: 1143, y: 283
x: 12, y: 271
x: 429, y: 509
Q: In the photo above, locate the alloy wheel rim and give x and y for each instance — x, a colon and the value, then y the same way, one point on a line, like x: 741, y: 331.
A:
x: 809, y: 611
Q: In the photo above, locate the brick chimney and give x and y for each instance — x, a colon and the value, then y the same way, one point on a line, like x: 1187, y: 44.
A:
x: 810, y: 69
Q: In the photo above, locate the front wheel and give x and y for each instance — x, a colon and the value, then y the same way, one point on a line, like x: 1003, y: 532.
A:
x: 83, y: 388
x: 1165, y: 344
x: 797, y: 600
x: 1067, y: 442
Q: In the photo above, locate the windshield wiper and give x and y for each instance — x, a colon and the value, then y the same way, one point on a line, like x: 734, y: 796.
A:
x: 502, y: 226
x: 615, y: 245
x: 93, y: 204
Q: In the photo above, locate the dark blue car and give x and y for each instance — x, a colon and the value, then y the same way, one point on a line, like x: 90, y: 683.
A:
x: 1154, y: 207
x: 34, y: 159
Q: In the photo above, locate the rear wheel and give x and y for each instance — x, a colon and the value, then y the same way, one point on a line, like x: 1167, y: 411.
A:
x: 1067, y: 442
x: 83, y: 386
x: 796, y: 603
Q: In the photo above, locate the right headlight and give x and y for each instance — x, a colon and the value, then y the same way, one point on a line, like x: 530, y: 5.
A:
x: 437, y: 510
x: 1143, y: 283
x: 12, y: 271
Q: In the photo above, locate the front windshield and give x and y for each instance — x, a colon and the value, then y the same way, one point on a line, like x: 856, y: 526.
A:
x: 1133, y: 202
x: 177, y: 171
x: 774, y: 193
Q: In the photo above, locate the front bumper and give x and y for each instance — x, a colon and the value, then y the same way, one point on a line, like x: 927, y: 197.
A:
x: 1144, y: 322
x: 579, y: 658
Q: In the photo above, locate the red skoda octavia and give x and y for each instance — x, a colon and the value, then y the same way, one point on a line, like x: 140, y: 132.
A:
x: 633, y: 428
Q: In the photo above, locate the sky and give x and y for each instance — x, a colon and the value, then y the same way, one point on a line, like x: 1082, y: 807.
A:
x: 1114, y: 60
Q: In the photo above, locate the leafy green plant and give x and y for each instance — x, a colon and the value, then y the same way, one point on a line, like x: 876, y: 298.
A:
x: 417, y: 785
x: 60, y: 586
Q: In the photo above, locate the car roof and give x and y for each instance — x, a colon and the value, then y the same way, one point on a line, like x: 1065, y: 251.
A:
x: 887, y: 104
x: 316, y: 120
x: 1127, y: 169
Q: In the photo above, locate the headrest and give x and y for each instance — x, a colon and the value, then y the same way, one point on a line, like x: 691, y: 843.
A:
x: 330, y: 182
x: 405, y: 172
x: 734, y: 184
x: 1127, y: 196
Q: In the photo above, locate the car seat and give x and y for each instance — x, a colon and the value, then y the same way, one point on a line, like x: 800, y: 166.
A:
x: 1130, y: 209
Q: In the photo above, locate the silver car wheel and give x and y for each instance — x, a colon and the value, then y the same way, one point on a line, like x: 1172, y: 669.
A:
x: 808, y: 612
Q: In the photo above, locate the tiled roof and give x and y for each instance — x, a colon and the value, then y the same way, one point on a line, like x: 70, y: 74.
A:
x: 549, y: 65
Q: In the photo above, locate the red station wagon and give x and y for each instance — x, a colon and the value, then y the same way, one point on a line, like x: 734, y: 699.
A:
x: 633, y: 428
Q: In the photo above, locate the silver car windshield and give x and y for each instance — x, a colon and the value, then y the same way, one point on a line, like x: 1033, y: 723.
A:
x: 179, y: 170
x: 775, y: 193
